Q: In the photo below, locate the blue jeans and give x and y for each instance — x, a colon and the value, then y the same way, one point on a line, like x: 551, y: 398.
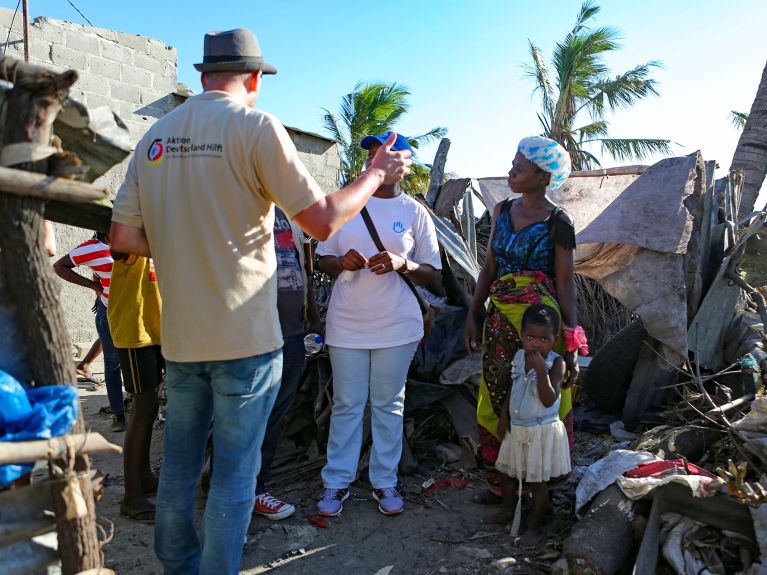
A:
x: 380, y: 374
x: 236, y: 396
x: 112, y: 375
x: 292, y: 367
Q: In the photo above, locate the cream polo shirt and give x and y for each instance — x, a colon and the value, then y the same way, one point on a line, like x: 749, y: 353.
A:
x: 202, y: 184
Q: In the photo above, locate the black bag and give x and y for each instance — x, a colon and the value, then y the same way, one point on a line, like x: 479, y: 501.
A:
x: 427, y: 312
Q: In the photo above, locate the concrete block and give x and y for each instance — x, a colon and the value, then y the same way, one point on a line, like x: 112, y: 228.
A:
x: 138, y: 43
x: 122, y: 91
x: 106, y: 34
x: 330, y: 173
x: 40, y: 49
x: 64, y: 56
x: 170, y: 70
x: 164, y: 84
x: 136, y: 76
x: 43, y: 29
x: 92, y: 84
x: 333, y: 160
x: 128, y: 110
x: 104, y: 68
x: 116, y: 53
x: 7, y: 16
x: 147, y: 62
x: 82, y: 42
x: 162, y: 51
x: 96, y: 100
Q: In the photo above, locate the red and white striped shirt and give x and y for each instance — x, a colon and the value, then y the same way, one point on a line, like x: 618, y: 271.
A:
x: 96, y: 256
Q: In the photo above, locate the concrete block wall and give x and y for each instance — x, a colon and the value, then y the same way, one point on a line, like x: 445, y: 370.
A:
x: 321, y: 157
x: 136, y: 77
x: 133, y: 75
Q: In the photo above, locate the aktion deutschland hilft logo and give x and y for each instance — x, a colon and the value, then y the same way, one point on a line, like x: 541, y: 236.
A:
x: 154, y: 155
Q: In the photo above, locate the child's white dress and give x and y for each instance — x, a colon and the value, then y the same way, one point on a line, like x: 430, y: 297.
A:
x: 536, y: 448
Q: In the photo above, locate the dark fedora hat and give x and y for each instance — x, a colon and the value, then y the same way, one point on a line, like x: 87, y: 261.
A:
x: 233, y: 51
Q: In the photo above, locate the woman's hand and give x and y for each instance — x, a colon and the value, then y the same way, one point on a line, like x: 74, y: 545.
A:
x: 471, y: 337
x: 385, y: 262
x: 353, y: 261
x: 572, y: 367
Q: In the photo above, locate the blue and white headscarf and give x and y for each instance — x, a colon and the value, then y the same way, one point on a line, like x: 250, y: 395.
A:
x: 548, y: 156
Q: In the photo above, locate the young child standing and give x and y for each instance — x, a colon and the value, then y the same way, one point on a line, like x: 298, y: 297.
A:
x: 535, y: 447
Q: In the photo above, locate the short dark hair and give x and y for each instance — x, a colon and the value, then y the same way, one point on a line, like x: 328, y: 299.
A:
x: 542, y: 315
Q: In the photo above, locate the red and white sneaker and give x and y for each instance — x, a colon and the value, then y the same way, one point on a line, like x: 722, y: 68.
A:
x: 272, y: 508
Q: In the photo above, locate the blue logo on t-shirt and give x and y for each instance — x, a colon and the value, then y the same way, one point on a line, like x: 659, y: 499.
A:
x: 398, y: 227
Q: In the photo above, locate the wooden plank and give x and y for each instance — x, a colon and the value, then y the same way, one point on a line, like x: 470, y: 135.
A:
x: 617, y: 171
x: 23, y: 183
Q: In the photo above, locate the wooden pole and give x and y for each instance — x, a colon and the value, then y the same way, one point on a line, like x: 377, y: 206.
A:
x: 437, y: 172
x: 55, y: 448
x: 25, y: 4
x: 29, y: 287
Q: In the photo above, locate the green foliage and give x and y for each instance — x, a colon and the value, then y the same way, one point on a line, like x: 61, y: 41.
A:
x: 738, y: 119
x: 374, y: 109
x: 577, y: 86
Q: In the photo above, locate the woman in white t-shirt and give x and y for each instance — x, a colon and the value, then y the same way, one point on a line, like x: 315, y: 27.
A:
x: 374, y: 324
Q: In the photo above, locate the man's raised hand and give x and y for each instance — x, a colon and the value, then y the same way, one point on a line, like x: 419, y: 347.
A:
x: 394, y: 164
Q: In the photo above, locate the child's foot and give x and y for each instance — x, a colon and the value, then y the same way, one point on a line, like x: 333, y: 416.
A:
x: 501, y: 518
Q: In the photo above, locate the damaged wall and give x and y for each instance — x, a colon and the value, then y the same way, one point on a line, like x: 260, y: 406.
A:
x: 137, y: 78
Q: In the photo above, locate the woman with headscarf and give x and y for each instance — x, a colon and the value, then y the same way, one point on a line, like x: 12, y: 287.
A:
x: 529, y: 261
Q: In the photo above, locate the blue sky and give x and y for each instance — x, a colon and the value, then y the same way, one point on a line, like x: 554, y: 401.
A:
x: 462, y: 61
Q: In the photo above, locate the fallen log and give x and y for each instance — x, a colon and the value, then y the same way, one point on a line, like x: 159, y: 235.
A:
x: 600, y: 542
x: 55, y: 448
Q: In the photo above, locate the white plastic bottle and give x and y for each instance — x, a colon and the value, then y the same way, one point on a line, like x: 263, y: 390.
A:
x: 313, y: 343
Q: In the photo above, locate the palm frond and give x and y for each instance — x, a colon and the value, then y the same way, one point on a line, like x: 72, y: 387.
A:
x: 624, y: 149
x: 434, y: 134
x: 738, y: 119
x: 539, y: 72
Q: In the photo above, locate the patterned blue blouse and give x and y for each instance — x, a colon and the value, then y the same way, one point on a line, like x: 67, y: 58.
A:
x: 532, y: 247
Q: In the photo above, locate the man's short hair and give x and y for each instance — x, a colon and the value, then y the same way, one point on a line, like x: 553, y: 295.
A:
x: 542, y: 315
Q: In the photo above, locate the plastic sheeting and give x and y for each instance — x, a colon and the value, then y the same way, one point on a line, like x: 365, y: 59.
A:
x: 605, y: 472
x: 33, y: 413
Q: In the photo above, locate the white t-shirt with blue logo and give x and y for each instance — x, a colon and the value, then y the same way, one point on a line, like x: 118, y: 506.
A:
x: 376, y: 311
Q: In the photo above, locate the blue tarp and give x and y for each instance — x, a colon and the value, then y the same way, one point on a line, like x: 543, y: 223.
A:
x: 28, y: 413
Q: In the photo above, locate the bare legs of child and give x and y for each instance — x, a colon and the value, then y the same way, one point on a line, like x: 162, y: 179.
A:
x: 540, y: 506
x: 83, y: 368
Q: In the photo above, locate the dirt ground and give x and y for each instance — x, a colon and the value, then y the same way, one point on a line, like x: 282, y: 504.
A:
x: 438, y: 533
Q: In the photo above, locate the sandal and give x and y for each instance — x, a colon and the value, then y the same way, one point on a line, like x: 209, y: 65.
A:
x: 144, y: 513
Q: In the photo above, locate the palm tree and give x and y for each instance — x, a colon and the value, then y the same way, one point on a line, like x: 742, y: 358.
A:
x: 738, y: 119
x: 577, y: 87
x: 751, y: 152
x: 373, y: 109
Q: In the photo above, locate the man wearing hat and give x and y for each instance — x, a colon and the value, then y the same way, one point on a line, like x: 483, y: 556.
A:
x: 203, y: 181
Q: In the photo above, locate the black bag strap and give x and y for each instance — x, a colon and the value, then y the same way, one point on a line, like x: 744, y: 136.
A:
x: 379, y: 244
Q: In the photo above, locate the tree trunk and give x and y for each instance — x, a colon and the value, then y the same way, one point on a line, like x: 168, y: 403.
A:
x: 31, y: 108
x: 751, y: 153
